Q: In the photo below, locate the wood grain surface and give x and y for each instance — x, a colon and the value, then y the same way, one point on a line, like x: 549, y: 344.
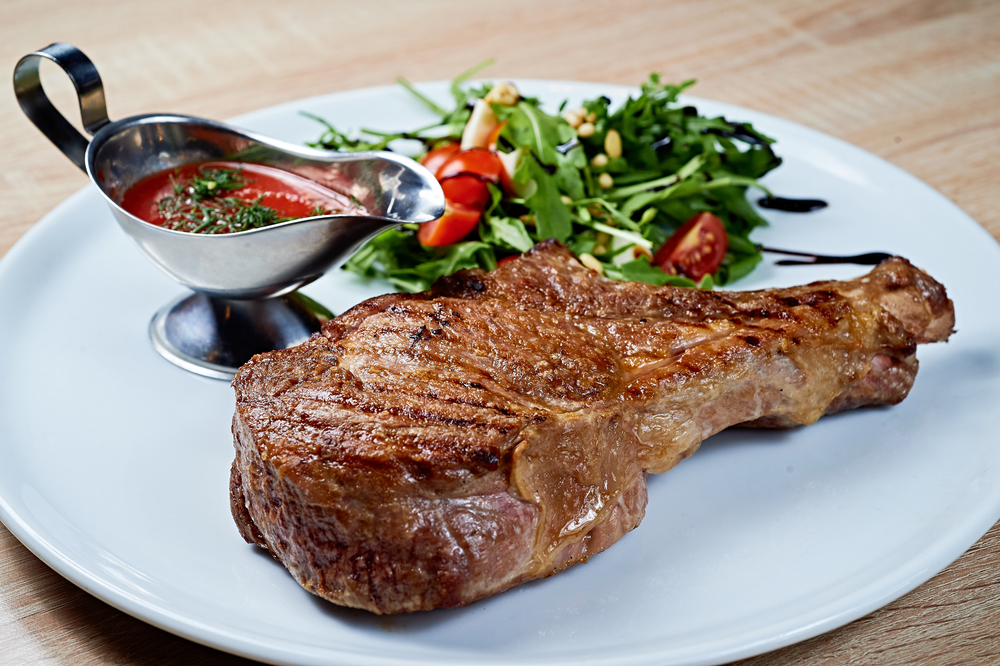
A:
x: 916, y: 82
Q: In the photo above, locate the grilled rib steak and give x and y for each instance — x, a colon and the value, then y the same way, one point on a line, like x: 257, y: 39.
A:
x: 427, y: 450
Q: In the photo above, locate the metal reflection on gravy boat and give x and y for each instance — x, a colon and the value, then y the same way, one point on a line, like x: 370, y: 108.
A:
x: 241, y: 279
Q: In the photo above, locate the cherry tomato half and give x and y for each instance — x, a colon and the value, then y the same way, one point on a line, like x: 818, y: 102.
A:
x: 468, y: 191
x: 464, y: 175
x: 435, y: 158
x: 696, y: 249
x: 501, y: 262
x: 453, y: 226
x: 476, y: 161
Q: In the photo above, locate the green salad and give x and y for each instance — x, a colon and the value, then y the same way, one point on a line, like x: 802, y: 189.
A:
x: 639, y: 192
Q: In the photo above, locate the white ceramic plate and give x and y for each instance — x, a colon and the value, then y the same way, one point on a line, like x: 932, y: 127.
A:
x: 115, y: 463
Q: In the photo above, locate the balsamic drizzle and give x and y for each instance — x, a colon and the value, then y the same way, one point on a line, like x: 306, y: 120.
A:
x: 792, y: 205
x: 866, y: 259
x: 739, y: 132
x: 808, y: 258
x: 471, y: 174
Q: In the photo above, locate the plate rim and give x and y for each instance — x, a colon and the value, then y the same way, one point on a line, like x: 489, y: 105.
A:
x: 238, y: 642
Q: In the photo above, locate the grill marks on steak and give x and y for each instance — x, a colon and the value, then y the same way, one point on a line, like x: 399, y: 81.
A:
x: 427, y: 450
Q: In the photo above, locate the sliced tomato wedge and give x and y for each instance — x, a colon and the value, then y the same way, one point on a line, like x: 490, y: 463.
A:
x: 501, y: 262
x: 467, y: 191
x: 435, y: 158
x: 474, y: 161
x: 453, y: 226
x: 696, y: 249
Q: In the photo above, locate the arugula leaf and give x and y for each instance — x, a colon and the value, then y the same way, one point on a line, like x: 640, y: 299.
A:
x: 507, y: 232
x: 455, y: 257
x: 529, y: 126
x: 552, y: 217
x: 568, y: 173
x: 640, y: 270
x: 583, y: 244
x: 734, y: 270
x: 431, y: 104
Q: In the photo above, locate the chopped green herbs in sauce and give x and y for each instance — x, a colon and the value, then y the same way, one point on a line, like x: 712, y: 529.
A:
x: 199, y: 205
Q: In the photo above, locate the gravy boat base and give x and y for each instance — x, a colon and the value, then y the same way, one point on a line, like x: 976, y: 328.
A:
x: 213, y: 337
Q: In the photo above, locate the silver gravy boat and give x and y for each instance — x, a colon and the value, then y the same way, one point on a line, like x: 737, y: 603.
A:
x: 244, y: 283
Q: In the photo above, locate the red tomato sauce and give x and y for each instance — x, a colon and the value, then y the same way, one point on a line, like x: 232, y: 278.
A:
x: 292, y: 196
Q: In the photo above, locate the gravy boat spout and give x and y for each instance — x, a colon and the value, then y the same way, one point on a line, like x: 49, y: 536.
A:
x: 272, y: 260
x: 240, y: 279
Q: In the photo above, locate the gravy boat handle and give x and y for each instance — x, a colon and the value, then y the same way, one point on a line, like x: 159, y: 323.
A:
x: 36, y: 105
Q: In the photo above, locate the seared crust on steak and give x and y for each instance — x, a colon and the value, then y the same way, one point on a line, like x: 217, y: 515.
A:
x: 427, y: 450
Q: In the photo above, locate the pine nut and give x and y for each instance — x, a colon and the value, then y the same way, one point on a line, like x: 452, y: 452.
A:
x: 566, y: 200
x: 599, y: 160
x: 503, y: 93
x: 605, y: 180
x: 591, y: 117
x: 572, y: 118
x: 613, y: 143
x: 590, y: 261
x: 585, y: 130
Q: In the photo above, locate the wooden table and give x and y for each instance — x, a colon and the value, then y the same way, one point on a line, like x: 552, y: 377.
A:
x: 917, y: 82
